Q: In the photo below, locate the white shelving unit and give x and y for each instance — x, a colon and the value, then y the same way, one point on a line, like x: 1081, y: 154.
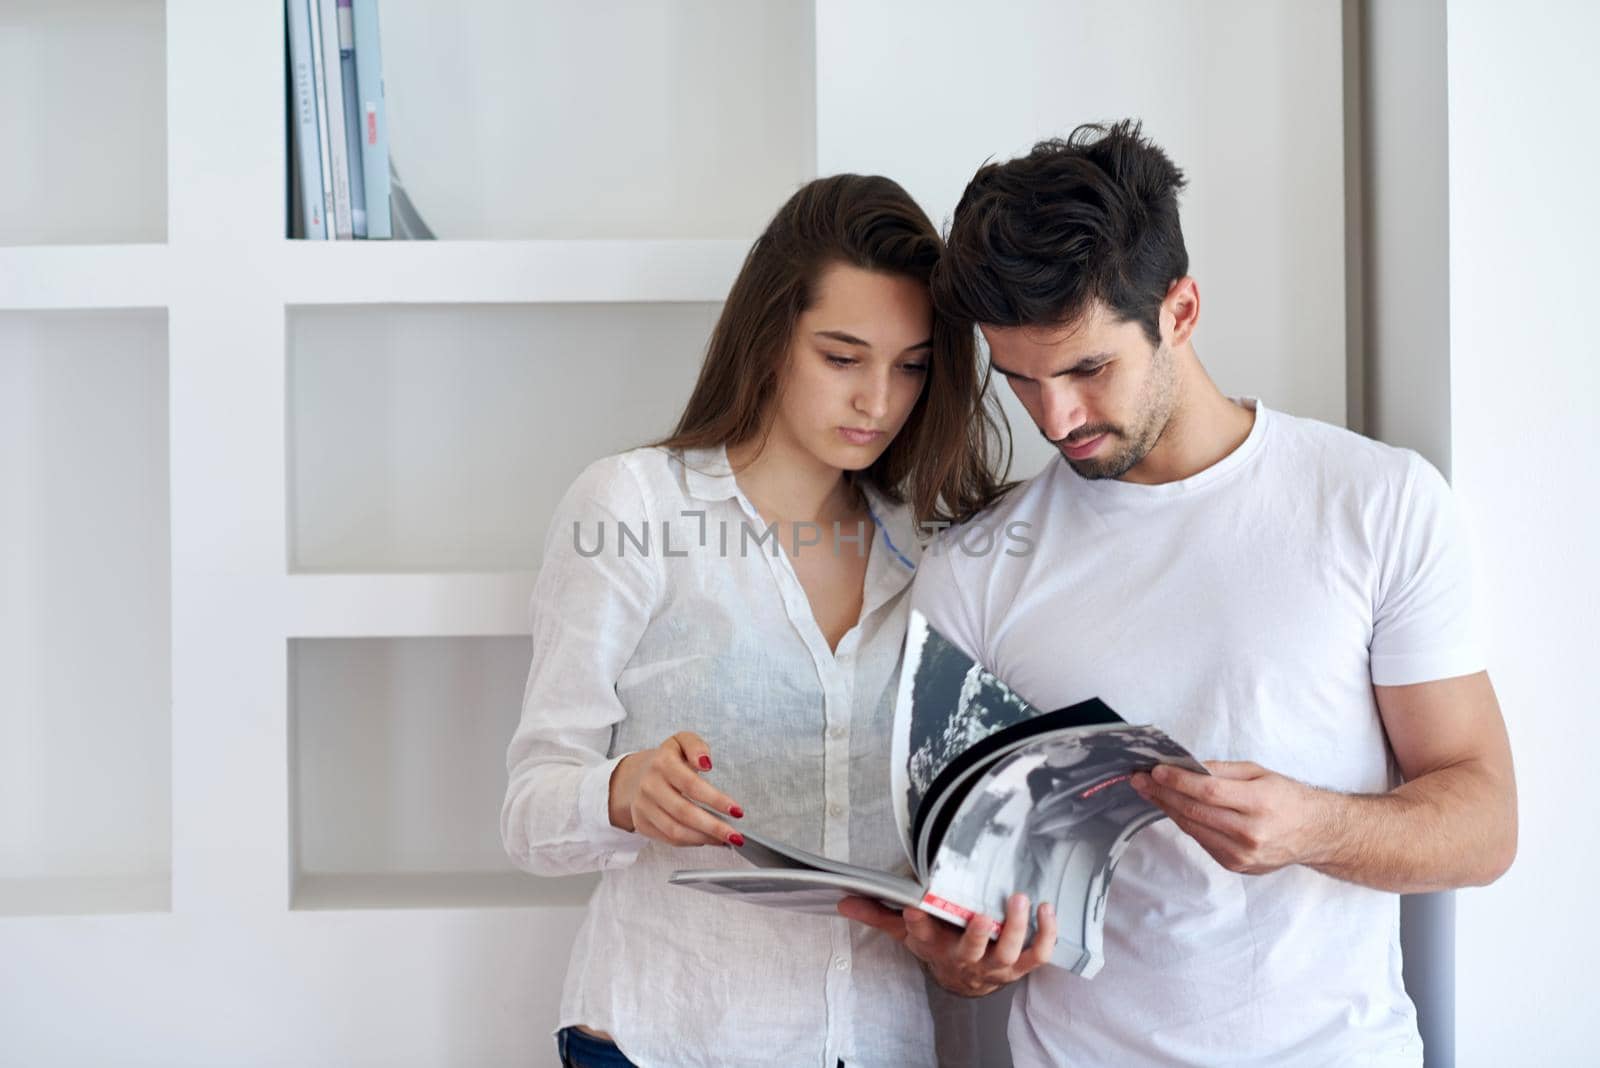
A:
x: 307, y: 765
x: 311, y: 785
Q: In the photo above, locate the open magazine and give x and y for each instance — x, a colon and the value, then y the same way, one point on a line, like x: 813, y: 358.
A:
x: 992, y: 797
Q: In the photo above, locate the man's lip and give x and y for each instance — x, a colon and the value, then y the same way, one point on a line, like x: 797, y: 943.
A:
x: 1084, y: 449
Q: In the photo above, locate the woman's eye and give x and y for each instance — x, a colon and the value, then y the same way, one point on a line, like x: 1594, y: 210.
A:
x: 914, y: 368
x: 839, y: 361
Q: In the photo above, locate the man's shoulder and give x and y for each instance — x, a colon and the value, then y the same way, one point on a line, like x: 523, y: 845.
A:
x: 1319, y: 454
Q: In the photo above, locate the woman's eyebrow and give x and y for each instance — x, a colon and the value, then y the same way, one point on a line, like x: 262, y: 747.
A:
x: 851, y: 339
x: 840, y: 335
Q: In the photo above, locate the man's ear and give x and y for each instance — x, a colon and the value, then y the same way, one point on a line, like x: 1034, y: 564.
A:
x: 1180, y: 311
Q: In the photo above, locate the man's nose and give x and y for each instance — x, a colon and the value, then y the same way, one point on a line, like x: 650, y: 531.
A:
x: 1061, y: 410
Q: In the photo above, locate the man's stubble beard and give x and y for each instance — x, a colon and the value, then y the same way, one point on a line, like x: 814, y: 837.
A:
x: 1157, y: 402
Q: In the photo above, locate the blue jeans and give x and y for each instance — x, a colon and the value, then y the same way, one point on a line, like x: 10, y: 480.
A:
x: 579, y: 1050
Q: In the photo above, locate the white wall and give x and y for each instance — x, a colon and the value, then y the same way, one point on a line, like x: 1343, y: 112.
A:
x: 1525, y: 375
x: 1401, y: 358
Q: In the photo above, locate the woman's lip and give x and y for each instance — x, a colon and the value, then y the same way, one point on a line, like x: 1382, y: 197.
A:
x: 860, y: 437
x: 1083, y: 450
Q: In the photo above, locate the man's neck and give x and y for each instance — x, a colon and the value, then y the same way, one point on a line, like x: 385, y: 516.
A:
x: 1205, y: 428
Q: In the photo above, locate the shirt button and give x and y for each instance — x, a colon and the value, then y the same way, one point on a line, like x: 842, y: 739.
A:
x: 836, y: 811
x: 841, y: 964
x: 836, y: 732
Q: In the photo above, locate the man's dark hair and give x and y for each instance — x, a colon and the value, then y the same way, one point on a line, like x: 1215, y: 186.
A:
x: 1036, y: 240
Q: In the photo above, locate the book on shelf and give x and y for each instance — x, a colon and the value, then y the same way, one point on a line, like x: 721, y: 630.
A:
x: 373, y: 120
x: 991, y: 797
x: 327, y: 16
x: 345, y: 21
x: 341, y: 180
x: 305, y: 157
x: 308, y: 9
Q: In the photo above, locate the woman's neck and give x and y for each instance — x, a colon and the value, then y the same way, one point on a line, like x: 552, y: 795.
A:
x: 788, y: 485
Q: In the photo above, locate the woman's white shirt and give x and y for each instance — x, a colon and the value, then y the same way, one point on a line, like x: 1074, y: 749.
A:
x: 663, y: 604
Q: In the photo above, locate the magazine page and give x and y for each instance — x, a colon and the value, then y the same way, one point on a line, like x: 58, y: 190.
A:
x: 946, y: 703
x: 766, y: 852
x: 1050, y: 820
x: 801, y: 889
x: 950, y: 786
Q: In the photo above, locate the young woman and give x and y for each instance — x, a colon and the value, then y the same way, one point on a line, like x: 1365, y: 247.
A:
x: 716, y: 634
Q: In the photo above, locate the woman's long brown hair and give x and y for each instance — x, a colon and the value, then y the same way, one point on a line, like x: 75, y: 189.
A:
x: 950, y: 456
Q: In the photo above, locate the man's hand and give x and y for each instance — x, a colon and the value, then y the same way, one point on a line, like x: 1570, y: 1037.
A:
x: 970, y: 963
x: 1249, y: 819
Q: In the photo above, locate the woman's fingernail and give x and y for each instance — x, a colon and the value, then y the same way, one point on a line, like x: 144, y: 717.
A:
x: 736, y: 839
x: 705, y: 763
x: 736, y: 812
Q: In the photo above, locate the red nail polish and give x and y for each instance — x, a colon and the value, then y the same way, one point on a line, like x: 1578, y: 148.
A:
x: 736, y: 812
x: 705, y: 763
x: 736, y: 839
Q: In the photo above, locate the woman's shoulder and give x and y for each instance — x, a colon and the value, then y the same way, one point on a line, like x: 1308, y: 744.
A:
x: 651, y: 475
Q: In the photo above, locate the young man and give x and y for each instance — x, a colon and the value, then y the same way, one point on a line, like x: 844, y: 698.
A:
x: 1287, y: 599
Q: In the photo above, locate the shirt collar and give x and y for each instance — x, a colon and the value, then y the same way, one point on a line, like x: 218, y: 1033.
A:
x: 707, y: 476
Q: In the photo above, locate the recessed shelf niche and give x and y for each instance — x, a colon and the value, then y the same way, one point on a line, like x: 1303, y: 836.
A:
x: 553, y: 120
x: 438, y: 438
x: 85, y: 613
x: 397, y: 768
x: 84, y: 122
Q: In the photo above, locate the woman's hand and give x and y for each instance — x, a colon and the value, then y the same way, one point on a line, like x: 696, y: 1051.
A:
x: 652, y: 793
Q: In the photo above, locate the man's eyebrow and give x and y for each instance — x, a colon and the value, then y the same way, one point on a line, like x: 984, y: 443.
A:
x: 851, y: 339
x: 1085, y: 363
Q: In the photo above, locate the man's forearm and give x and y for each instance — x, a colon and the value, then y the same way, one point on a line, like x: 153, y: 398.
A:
x: 1453, y: 827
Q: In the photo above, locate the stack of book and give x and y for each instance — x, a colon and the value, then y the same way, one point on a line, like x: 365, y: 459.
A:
x: 339, y: 181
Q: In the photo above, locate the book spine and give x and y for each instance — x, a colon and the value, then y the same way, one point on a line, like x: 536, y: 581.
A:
x: 333, y: 89
x: 320, y: 93
x: 308, y: 162
x: 352, y: 120
x: 374, y: 120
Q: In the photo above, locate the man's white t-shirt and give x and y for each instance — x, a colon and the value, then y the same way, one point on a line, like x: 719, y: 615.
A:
x: 1248, y: 611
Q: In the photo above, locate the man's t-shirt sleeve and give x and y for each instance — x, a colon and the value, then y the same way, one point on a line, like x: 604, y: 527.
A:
x: 1425, y: 624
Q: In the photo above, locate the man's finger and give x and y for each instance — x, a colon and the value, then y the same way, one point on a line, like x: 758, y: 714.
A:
x: 873, y: 914
x: 1182, y: 807
x: 975, y: 940
x: 1223, y: 850
x: 926, y: 936
x: 1209, y: 789
x: 1044, y: 941
x: 1013, y: 933
x: 1235, y: 769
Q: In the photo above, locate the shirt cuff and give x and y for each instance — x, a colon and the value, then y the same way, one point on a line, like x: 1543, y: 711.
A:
x: 594, y: 816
